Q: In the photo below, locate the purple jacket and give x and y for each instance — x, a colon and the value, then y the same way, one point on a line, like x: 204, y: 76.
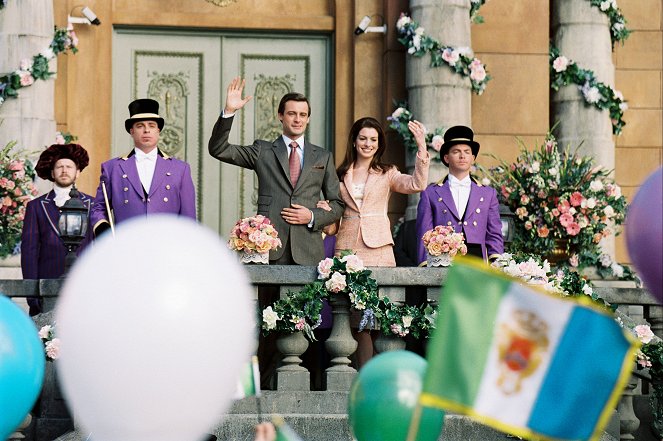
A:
x: 481, y: 224
x: 171, y: 190
x: 42, y: 251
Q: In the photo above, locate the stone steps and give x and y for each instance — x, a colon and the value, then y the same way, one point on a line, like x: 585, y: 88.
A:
x: 321, y: 416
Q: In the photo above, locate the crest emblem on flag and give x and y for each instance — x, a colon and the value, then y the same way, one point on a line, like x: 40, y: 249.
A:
x: 521, y: 344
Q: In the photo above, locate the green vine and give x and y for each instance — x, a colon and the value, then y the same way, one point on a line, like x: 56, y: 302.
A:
x: 564, y: 72
x: 460, y: 60
x: 618, y: 31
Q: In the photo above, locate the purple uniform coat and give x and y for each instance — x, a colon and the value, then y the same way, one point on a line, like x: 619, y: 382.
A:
x: 171, y: 190
x: 42, y: 251
x: 481, y: 224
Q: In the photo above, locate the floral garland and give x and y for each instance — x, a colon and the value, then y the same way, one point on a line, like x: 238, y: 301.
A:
x: 618, y: 31
x: 474, y: 10
x: 37, y: 67
x: 563, y: 72
x: 398, y: 121
x: 50, y: 341
x: 461, y: 60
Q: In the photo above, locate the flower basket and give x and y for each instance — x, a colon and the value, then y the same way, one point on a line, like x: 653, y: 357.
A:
x: 252, y: 257
x: 442, y: 243
x: 253, y: 238
x: 443, y: 259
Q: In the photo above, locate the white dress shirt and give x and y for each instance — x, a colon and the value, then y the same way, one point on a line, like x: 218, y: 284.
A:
x: 145, y: 163
x: 460, y: 190
x: 300, y: 152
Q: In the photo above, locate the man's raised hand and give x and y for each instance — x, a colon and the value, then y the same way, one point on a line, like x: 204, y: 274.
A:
x: 234, y: 100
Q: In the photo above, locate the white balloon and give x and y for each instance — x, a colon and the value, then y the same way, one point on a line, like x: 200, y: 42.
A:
x: 155, y: 325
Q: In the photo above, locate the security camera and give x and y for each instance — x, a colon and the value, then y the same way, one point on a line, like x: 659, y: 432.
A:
x: 363, y: 27
x: 88, y: 18
x: 91, y: 16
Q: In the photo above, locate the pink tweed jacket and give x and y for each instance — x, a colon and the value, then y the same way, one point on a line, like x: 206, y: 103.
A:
x: 367, y: 227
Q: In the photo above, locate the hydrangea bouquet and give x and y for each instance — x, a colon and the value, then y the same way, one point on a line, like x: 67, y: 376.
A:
x: 16, y: 190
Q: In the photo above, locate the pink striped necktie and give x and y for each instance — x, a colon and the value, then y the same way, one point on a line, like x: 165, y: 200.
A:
x: 295, y: 165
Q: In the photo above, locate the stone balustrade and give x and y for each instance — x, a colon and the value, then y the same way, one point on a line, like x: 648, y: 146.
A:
x: 397, y: 284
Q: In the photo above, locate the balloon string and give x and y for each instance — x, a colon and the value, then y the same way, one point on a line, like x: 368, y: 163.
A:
x: 88, y: 437
x: 413, y: 430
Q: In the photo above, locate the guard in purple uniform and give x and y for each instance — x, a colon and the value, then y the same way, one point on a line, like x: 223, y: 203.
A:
x: 460, y: 202
x: 42, y: 250
x: 146, y: 181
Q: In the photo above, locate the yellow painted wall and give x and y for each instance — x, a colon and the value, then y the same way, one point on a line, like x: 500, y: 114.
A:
x: 369, y: 71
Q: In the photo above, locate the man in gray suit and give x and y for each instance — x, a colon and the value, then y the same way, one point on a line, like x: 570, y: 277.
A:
x: 292, y: 175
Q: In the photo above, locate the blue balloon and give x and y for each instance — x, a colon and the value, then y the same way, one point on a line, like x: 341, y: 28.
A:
x: 22, y: 363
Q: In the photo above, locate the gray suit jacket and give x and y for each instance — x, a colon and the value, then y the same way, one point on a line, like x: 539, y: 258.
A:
x: 317, y: 181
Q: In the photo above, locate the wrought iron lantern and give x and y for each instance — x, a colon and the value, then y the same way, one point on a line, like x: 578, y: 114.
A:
x: 507, y: 217
x: 73, y: 225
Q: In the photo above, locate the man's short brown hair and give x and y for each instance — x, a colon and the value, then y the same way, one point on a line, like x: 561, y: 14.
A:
x: 293, y: 96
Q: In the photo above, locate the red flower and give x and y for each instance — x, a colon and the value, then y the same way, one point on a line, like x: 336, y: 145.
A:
x: 572, y: 229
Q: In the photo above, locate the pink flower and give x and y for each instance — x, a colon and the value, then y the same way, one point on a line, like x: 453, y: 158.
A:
x: 529, y: 225
x: 7, y: 202
x: 437, y: 142
x: 644, y: 333
x: 477, y: 71
x: 555, y: 212
x: 300, y: 324
x: 521, y: 212
x: 26, y: 78
x: 576, y: 198
x: 572, y: 229
x: 353, y: 263
x: 45, y: 331
x: 59, y: 139
x: 53, y: 349
x: 524, y: 199
x: 565, y: 219
x: 10, y: 185
x: 16, y: 166
x: 563, y: 206
x: 324, y: 268
x: 450, y: 56
x: 560, y: 64
x: 336, y: 283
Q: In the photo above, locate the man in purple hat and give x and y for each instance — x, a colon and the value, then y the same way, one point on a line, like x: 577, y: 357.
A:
x: 42, y: 250
x: 146, y: 181
x: 460, y: 202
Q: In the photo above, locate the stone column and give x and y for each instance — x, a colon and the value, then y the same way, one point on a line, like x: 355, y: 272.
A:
x: 582, y: 34
x: 438, y: 97
x: 26, y: 29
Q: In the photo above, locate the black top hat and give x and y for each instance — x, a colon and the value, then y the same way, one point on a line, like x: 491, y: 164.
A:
x: 143, y: 109
x: 54, y: 153
x: 458, y: 135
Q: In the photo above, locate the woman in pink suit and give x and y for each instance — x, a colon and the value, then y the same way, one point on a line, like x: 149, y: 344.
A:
x: 366, y: 184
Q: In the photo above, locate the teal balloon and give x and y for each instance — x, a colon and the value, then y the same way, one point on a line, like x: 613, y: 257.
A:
x: 22, y: 363
x: 383, y: 397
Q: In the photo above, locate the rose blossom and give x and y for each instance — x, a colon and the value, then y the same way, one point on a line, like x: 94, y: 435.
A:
x: 524, y: 199
x: 596, y: 185
x: 555, y: 212
x: 644, y: 333
x: 353, y: 263
x: 437, y: 142
x: 609, y: 211
x: 59, y: 139
x: 26, y: 78
x: 450, y: 56
x: 44, y: 331
x: 563, y: 206
x: 543, y: 231
x: 582, y: 221
x: 397, y: 113
x: 324, y: 268
x: 53, y: 349
x: 521, y: 212
x: 529, y: 225
x: 560, y: 64
x: 477, y: 71
x: 403, y: 21
x: 269, y: 317
x: 336, y: 283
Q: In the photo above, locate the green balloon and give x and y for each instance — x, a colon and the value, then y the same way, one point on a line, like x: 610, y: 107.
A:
x: 383, y: 397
